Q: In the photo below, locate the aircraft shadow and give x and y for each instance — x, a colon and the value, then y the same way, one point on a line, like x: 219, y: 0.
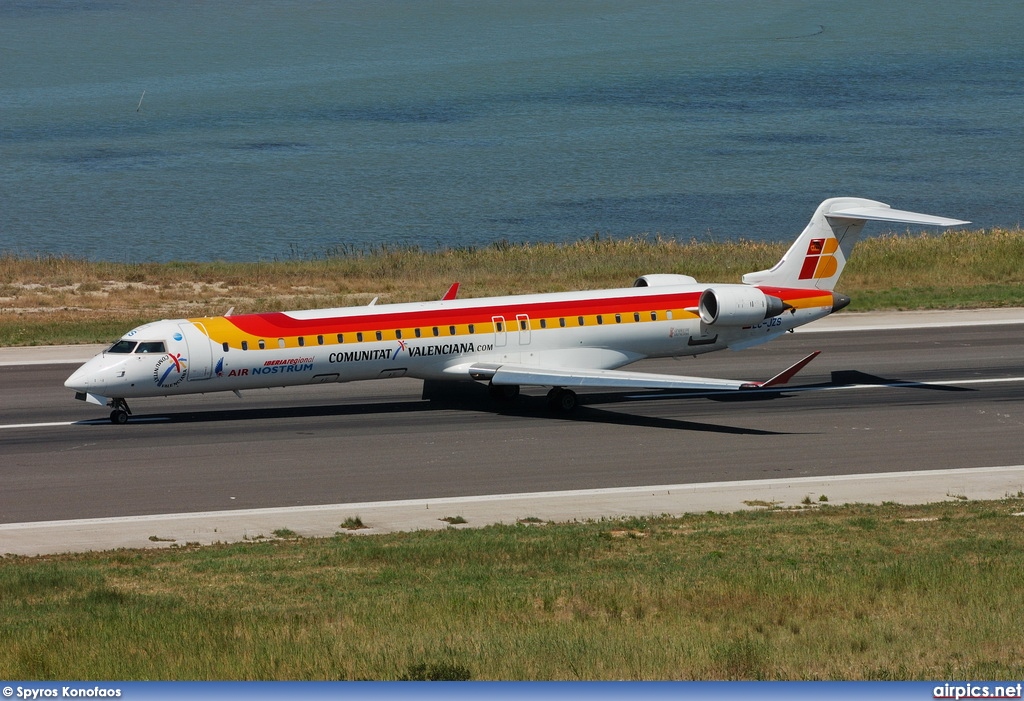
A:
x: 523, y: 407
x: 591, y: 414
x: 846, y: 378
x: 475, y: 398
x: 588, y: 411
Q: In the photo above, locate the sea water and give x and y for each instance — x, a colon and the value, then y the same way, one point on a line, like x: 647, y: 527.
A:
x: 152, y: 130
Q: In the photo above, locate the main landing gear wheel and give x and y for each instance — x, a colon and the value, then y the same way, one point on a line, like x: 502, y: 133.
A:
x: 562, y: 400
x: 503, y: 393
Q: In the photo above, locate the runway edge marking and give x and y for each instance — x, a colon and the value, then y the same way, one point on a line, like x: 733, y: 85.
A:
x: 753, y: 485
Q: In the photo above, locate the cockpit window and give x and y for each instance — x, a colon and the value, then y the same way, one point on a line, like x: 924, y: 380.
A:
x: 122, y: 347
x: 151, y: 347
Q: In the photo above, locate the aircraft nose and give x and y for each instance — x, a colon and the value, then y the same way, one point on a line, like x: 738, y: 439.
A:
x: 80, y: 380
x: 95, y: 375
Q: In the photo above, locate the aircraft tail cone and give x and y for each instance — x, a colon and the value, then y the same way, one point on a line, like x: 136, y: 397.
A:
x: 839, y: 301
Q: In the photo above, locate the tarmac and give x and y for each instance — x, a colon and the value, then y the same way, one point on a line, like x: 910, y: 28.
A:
x: 170, y: 530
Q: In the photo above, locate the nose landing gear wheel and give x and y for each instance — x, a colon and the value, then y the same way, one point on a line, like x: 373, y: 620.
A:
x: 121, y: 411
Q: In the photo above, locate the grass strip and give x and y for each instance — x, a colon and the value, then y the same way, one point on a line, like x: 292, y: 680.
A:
x: 823, y: 592
x: 50, y: 300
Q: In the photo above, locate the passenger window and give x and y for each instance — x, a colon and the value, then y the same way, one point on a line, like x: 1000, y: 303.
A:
x: 543, y: 323
x: 668, y: 314
x: 151, y: 347
x: 280, y: 343
x: 262, y: 344
x: 245, y: 345
x: 320, y: 340
x: 359, y: 336
x: 522, y: 324
x: 498, y: 326
x: 302, y: 340
x: 451, y: 330
x: 472, y: 328
x: 561, y: 322
x: 225, y: 346
x: 654, y: 316
x: 380, y: 336
x: 398, y: 334
x: 636, y: 316
x: 580, y: 319
x: 418, y: 333
x: 437, y: 331
x: 600, y: 319
x: 341, y: 338
x: 122, y: 347
x: 618, y: 318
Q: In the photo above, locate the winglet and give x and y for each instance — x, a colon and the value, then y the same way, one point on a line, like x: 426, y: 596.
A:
x: 784, y: 376
x: 452, y: 291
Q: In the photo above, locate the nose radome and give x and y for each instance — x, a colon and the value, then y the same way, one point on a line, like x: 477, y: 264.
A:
x: 96, y: 374
x: 78, y: 380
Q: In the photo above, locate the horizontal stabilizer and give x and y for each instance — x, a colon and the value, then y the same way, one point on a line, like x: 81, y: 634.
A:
x: 893, y: 215
x: 817, y: 257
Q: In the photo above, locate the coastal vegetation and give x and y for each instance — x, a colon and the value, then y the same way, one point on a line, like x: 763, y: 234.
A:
x: 816, y: 592
x: 48, y: 300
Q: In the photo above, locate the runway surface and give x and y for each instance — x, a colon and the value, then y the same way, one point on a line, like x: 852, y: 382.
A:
x: 873, y: 402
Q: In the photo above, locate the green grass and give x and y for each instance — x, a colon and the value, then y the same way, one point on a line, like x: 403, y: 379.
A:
x: 854, y: 592
x: 59, y: 300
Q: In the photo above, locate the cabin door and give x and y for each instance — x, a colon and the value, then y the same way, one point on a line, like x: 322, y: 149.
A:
x: 200, y: 355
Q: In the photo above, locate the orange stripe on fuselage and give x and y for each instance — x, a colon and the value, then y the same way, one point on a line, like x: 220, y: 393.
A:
x: 274, y: 325
x: 800, y: 298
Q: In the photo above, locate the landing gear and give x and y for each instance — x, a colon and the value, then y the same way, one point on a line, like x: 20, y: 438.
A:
x: 121, y: 411
x: 503, y: 393
x: 562, y: 400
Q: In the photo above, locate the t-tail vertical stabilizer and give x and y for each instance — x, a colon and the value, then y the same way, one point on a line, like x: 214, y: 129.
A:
x: 818, y: 256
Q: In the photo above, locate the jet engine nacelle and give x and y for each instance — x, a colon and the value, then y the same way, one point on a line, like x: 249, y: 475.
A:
x: 663, y: 280
x: 737, y: 305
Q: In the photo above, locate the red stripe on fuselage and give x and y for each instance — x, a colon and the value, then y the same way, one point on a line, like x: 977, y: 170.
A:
x: 794, y: 294
x: 282, y: 324
x: 275, y: 324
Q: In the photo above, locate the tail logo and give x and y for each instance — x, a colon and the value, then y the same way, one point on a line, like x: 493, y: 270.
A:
x: 820, y: 261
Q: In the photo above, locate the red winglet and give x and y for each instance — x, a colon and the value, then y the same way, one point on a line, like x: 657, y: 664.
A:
x: 452, y: 291
x: 787, y: 374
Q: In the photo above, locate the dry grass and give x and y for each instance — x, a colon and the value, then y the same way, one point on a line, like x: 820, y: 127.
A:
x: 49, y: 299
x: 853, y: 592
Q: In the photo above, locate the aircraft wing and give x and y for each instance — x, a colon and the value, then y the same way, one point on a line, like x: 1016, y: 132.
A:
x: 505, y: 374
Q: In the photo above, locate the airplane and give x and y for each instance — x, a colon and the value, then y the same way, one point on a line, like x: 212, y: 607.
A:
x: 559, y: 340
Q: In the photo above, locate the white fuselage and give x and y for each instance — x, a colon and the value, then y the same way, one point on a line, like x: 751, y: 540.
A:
x: 441, y: 340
